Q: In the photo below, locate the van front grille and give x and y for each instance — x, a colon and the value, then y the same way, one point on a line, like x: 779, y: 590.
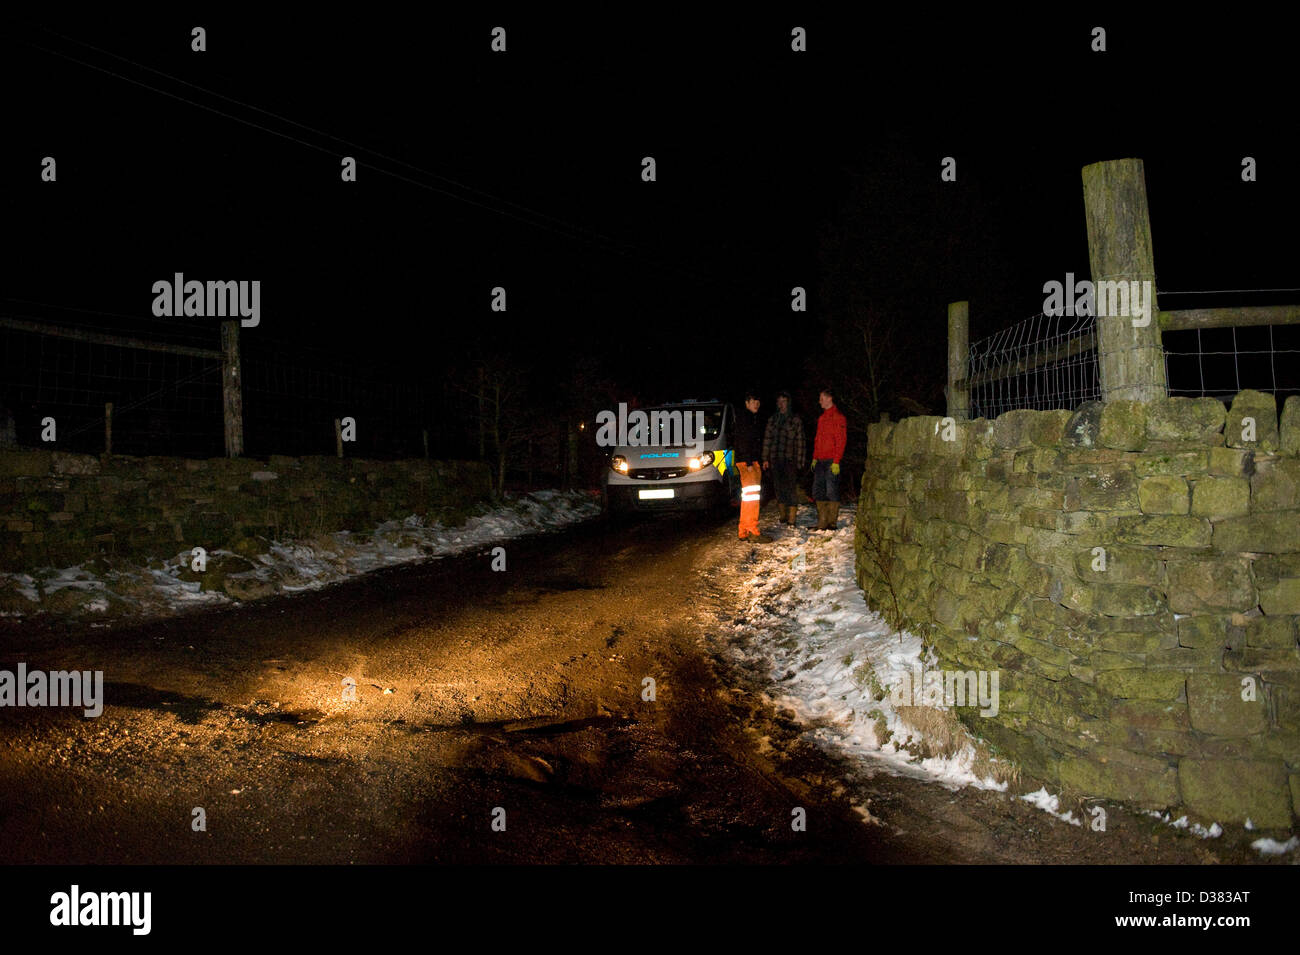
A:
x: 656, y: 474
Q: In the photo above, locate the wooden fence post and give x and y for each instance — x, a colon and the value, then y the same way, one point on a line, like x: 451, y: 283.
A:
x: 958, y: 390
x: 232, y: 395
x: 1130, y: 358
x: 108, y: 427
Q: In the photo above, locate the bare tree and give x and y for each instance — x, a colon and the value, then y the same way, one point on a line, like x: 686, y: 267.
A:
x: 499, y: 389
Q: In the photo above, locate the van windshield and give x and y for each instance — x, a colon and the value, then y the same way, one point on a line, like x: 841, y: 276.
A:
x: 666, y: 422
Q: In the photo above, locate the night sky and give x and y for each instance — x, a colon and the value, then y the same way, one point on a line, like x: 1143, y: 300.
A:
x: 523, y: 170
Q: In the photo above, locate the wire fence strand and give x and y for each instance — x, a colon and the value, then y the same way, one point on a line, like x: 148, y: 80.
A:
x: 165, y: 403
x: 1219, y: 362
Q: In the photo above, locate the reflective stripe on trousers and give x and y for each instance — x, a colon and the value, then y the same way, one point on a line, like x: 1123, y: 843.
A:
x: 751, y: 493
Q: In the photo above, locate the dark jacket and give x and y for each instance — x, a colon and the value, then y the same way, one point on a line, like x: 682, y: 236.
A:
x: 749, y: 436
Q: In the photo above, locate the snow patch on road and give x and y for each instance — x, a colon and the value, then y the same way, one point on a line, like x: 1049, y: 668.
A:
x: 807, y: 632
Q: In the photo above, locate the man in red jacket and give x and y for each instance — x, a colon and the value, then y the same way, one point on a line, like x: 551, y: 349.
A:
x: 828, y: 449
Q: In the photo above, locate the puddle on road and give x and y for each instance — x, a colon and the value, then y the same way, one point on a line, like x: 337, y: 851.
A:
x: 188, y: 709
x: 304, y: 717
x: 549, y: 728
x: 532, y: 727
x: 565, y: 584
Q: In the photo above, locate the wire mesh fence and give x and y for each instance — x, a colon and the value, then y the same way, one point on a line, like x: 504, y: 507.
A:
x: 159, y: 385
x: 1042, y: 362
x: 293, y: 397
x: 1047, y: 362
x: 164, y: 387
x: 59, y: 380
x: 1219, y: 362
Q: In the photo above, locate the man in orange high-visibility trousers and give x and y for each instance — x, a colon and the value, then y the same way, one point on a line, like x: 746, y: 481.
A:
x: 748, y: 460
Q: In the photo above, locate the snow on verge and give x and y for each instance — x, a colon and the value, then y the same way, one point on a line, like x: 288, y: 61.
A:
x: 292, y: 566
x: 807, y: 631
x: 1195, y: 828
x: 1271, y: 847
x: 1050, y: 804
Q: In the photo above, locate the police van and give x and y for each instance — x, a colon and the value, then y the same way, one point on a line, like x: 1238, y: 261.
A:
x: 664, y: 469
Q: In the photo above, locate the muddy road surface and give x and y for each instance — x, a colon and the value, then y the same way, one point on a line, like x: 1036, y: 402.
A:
x: 500, y: 716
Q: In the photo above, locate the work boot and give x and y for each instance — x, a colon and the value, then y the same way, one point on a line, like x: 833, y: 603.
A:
x: 821, y: 516
x: 792, y: 515
x: 832, y: 514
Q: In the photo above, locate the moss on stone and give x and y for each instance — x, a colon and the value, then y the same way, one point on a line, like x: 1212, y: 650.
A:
x: 1181, y: 463
x: 1207, y: 586
x: 1261, y: 408
x: 1289, y: 427
x: 1220, y: 497
x: 1216, y: 705
x: 1232, y: 791
x: 1146, y: 781
x: 1275, y: 485
x: 1116, y: 562
x: 1276, y: 632
x: 1281, y: 597
x: 1232, y: 462
x: 1272, y: 533
x: 1164, y: 494
x: 1164, y: 530
x: 1203, y: 631
x: 1185, y: 419
x: 1141, y: 684
x: 1123, y: 426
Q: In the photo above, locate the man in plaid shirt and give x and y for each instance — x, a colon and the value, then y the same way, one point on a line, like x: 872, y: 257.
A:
x: 783, y: 453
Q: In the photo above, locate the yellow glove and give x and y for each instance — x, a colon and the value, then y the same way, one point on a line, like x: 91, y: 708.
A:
x: 835, y: 467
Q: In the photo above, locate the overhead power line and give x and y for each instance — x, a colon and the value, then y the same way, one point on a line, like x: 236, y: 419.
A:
x: 504, y: 207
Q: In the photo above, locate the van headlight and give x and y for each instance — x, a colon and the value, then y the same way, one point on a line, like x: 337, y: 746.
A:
x: 701, y: 460
x: 618, y: 463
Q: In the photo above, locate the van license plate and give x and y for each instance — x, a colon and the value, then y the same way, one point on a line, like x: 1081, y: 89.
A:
x: 655, y: 494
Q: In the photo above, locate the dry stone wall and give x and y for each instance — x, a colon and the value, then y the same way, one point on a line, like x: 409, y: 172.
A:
x: 60, y: 509
x: 1131, y: 570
